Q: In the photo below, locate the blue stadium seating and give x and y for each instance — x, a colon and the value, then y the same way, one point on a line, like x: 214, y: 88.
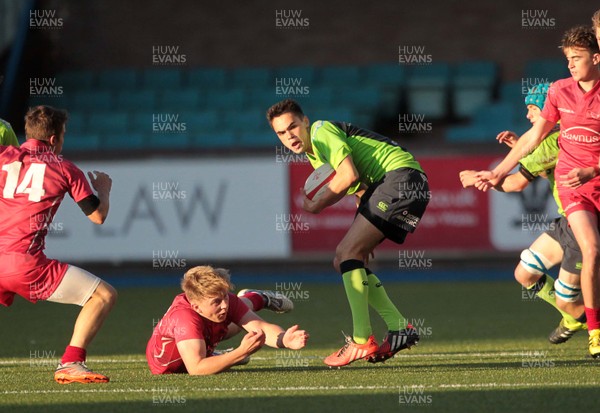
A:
x: 181, y: 100
x: 472, y: 86
x: 546, y: 70
x: 427, y: 90
x: 227, y: 99
x: 118, y: 79
x: 92, y: 101
x: 164, y: 78
x: 81, y: 142
x: 104, y: 123
x: 306, y: 75
x: 136, y: 100
x: 339, y: 75
x: 76, y: 80
x: 206, y: 78
x: 124, y: 141
x: 254, y: 77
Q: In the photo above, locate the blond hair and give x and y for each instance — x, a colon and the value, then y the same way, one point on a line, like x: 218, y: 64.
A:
x: 205, y: 281
x: 596, y: 19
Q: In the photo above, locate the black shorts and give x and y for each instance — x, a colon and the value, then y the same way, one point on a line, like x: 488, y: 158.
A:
x: 562, y: 233
x: 396, y: 203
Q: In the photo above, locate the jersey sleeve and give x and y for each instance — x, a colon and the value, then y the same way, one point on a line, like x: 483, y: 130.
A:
x: 79, y: 187
x: 330, y: 145
x: 330, y: 142
x: 550, y: 111
x: 7, y: 135
x: 185, y: 324
x: 542, y: 158
x: 237, y: 308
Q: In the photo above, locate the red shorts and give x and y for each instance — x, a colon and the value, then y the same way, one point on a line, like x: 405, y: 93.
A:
x: 33, y: 277
x: 584, y: 198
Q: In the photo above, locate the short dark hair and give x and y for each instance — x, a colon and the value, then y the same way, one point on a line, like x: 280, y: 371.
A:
x: 581, y: 37
x: 41, y: 122
x: 285, y: 106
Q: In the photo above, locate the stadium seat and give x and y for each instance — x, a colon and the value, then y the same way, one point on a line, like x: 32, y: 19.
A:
x: 262, y: 99
x: 487, y: 122
x: 248, y: 120
x: 255, y: 77
x: 168, y: 141
x: 427, y: 90
x: 205, y: 78
x: 199, y: 122
x: 264, y: 138
x: 317, y: 96
x: 127, y: 141
x: 135, y: 100
x: 166, y: 78
x: 369, y: 98
x: 181, y: 100
x: 306, y: 74
x: 390, y: 78
x: 91, y: 101
x: 76, y: 80
x: 76, y: 124
x: 81, y: 142
x: 546, y: 70
x: 513, y: 92
x: 339, y: 75
x: 118, y: 79
x: 472, y: 86
x: 213, y: 139
x: 229, y: 99
x: 104, y: 123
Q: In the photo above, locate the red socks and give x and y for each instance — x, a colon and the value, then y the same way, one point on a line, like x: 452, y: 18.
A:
x: 73, y: 354
x: 258, y: 302
x: 593, y: 318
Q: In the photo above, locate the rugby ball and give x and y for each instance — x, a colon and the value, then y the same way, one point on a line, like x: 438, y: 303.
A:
x: 318, y: 181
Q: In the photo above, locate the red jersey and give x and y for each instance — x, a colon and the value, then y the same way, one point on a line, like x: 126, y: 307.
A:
x: 579, y: 115
x: 181, y: 322
x: 34, y: 181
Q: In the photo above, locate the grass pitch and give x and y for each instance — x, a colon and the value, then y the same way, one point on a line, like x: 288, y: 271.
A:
x: 483, y: 348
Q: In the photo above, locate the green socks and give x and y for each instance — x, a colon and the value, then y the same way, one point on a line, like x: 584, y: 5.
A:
x: 544, y: 289
x: 379, y: 300
x: 357, y: 291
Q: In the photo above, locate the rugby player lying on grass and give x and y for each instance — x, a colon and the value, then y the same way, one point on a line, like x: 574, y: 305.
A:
x: 206, y: 313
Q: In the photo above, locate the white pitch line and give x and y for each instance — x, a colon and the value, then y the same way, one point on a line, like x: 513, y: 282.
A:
x: 162, y: 390
x: 261, y: 358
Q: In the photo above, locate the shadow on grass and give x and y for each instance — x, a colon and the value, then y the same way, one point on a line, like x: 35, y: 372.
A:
x: 489, y: 400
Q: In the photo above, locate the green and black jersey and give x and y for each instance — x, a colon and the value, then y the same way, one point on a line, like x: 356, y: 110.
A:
x: 543, y: 160
x: 372, y: 154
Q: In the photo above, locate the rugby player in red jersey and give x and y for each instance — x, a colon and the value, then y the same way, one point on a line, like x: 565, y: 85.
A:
x: 575, y: 102
x: 206, y: 313
x: 33, y: 182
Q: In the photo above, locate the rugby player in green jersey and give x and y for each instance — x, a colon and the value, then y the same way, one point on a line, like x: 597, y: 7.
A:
x: 7, y: 135
x: 558, y: 244
x: 393, y: 194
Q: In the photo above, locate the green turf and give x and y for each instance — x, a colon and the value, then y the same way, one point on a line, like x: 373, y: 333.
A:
x: 484, y: 349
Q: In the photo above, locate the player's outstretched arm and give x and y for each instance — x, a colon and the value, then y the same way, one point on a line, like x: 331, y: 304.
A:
x: 345, y: 177
x: 193, y: 354
x: 529, y: 141
x: 102, y: 183
x: 292, y: 338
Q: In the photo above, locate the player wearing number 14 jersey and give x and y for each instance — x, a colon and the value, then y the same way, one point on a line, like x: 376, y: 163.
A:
x: 33, y: 181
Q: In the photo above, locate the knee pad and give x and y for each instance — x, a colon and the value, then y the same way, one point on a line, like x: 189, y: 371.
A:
x: 534, y: 262
x: 567, y: 292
